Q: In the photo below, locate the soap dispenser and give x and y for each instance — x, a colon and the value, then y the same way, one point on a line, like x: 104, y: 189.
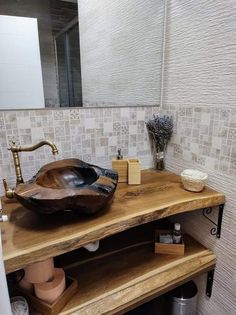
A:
x: 121, y: 166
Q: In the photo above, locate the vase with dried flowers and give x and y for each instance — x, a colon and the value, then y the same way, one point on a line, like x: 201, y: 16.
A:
x: 160, y: 130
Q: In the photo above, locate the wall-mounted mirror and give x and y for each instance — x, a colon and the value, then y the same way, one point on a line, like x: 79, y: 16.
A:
x: 88, y: 53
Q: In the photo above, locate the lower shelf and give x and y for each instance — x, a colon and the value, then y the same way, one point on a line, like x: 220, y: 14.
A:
x: 118, y: 282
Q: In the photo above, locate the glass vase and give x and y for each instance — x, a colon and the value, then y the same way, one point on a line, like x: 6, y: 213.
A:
x: 160, y: 161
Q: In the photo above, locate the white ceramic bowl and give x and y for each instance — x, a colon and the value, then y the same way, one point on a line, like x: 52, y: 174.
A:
x: 19, y: 306
x: 193, y: 180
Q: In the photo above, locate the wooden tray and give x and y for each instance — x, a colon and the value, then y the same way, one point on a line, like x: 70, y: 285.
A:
x: 171, y: 249
x: 51, y: 309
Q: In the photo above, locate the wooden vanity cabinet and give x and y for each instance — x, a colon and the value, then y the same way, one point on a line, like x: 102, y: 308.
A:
x: 126, y: 272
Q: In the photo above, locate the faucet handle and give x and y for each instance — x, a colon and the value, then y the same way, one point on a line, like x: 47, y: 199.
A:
x: 12, y: 141
x: 13, y: 145
x: 9, y: 192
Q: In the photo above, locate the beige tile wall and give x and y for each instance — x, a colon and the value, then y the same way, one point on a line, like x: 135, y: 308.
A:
x: 205, y: 136
x: 93, y: 135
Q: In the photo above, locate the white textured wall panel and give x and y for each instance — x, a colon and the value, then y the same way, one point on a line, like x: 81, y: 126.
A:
x: 121, y: 51
x: 201, y: 45
x: 199, y: 92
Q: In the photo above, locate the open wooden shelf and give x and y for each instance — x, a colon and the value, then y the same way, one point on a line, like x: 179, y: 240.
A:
x: 29, y: 237
x: 118, y: 282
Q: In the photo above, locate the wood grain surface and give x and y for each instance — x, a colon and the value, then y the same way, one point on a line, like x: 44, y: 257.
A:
x: 30, y: 237
x: 114, y: 284
x: 69, y: 184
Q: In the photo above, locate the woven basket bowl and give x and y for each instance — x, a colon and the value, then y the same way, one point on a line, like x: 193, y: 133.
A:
x: 193, y: 180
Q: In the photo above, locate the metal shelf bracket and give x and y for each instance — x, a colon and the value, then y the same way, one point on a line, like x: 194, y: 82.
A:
x: 216, y: 230
x: 210, y: 279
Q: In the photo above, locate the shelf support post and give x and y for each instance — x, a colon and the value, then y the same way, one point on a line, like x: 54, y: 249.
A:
x: 217, y: 229
x: 210, y: 279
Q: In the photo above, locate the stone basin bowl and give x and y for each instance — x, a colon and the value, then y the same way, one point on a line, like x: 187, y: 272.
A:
x: 69, y: 184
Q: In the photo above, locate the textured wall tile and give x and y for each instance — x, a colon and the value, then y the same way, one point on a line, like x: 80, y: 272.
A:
x: 199, y: 92
x: 121, y: 51
x: 93, y: 135
x: 200, y: 52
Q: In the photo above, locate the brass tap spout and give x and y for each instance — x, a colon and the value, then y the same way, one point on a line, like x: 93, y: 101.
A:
x: 15, y: 149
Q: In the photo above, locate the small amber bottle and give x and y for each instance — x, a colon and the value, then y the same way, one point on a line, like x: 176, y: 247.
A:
x: 177, y: 235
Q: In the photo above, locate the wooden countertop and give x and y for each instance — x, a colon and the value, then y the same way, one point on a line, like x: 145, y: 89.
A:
x: 29, y: 237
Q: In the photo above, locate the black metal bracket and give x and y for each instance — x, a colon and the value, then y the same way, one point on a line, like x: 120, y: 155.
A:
x: 210, y: 279
x: 217, y: 229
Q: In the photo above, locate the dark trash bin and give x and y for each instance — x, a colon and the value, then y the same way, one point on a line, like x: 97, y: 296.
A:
x: 183, y: 300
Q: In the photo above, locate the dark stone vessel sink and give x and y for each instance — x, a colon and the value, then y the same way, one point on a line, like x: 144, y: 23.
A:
x: 69, y: 184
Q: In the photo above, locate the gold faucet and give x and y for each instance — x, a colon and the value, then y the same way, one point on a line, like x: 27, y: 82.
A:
x: 15, y: 149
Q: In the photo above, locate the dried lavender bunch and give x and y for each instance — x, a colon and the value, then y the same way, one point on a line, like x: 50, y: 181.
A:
x: 161, y: 129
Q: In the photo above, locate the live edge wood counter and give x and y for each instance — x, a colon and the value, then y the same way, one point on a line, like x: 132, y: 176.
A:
x: 28, y: 237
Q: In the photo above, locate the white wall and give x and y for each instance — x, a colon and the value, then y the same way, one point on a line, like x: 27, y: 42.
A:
x: 121, y: 51
x: 200, y: 93
x: 21, y: 84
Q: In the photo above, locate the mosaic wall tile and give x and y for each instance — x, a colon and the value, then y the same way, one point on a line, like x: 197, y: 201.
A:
x: 203, y: 136
x: 93, y: 135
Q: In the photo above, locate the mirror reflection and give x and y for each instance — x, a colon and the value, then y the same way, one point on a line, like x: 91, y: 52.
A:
x: 57, y: 53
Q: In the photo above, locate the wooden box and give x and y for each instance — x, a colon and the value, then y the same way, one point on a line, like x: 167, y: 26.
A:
x: 121, y: 166
x: 169, y: 249
x: 51, y: 309
x: 134, y: 172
